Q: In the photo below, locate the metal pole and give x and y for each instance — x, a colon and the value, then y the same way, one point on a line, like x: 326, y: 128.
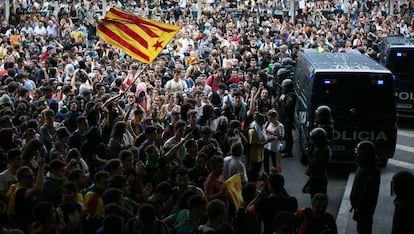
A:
x: 198, y: 9
x: 391, y: 7
x: 292, y: 11
x: 7, y: 12
x: 103, y: 8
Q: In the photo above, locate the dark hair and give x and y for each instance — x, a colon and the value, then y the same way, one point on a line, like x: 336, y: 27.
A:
x: 147, y: 213
x: 30, y: 148
x: 118, y: 129
x: 41, y: 211
x: 319, y: 197
x: 13, y: 153
x: 277, y: 182
x: 118, y: 181
x: 236, y: 149
x: 189, y: 143
x: 70, y: 186
x: 179, y: 124
x: 125, y: 154
x: 80, y: 119
x: 249, y: 191
x: 403, y: 183
x: 75, y: 175
x: 20, y: 173
x: 202, y: 155
x: 215, y: 208
x: 73, y: 153
x: 196, y: 201
x: 112, y: 164
x: 113, y: 223
x: 111, y: 195
x: 164, y: 188
x: 214, y: 161
x: 101, y: 175
x: 113, y: 208
x: 56, y: 164
x: 181, y: 171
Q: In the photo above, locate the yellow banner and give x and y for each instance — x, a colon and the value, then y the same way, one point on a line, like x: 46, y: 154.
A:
x: 234, y: 189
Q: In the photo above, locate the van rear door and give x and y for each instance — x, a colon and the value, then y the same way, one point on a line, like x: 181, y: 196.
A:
x: 400, y: 61
x: 363, y: 108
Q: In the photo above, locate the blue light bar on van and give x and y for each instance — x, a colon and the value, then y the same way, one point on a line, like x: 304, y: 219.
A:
x: 377, y: 82
x: 329, y: 81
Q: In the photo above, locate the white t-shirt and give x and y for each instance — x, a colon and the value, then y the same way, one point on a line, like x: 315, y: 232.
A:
x: 278, y: 130
x: 6, y: 179
x: 233, y: 165
x: 176, y: 86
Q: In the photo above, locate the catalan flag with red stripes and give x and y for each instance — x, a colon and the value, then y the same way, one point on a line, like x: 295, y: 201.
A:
x: 141, y: 38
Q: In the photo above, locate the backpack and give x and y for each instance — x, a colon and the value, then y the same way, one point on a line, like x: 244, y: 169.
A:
x: 11, y: 195
x: 245, y: 133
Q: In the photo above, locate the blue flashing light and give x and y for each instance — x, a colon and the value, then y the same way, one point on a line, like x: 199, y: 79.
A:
x: 327, y: 81
x: 311, y: 76
x: 393, y: 77
x: 399, y: 54
x: 380, y: 82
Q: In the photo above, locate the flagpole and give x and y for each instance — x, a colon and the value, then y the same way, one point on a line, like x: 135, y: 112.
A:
x: 136, y: 78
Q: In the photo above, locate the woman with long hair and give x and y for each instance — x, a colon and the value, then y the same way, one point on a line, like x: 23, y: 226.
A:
x: 93, y: 150
x: 116, y: 142
x: 32, y: 151
x: 169, y: 107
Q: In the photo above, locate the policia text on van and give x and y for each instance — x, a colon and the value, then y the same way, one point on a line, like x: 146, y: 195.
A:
x: 397, y: 54
x: 360, y: 93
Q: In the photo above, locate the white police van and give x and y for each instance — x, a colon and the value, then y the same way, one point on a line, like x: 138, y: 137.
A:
x: 360, y: 93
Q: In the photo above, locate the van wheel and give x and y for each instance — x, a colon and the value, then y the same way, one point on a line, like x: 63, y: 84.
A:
x: 383, y: 163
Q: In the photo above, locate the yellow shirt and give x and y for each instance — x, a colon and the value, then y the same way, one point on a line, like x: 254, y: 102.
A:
x: 76, y: 34
x: 94, y: 204
x: 256, y: 152
x: 79, y: 198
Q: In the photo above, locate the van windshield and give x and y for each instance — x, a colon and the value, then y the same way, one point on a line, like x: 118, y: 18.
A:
x: 363, y: 91
x: 400, y: 61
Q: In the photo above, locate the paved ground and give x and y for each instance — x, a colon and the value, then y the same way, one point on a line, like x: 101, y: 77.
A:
x: 385, y: 207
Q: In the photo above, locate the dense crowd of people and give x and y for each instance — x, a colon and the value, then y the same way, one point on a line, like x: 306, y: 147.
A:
x: 92, y: 141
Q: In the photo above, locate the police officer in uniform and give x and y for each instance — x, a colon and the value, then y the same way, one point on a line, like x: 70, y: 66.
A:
x: 288, y: 64
x: 286, y: 108
x: 281, y: 75
x: 365, y: 189
x: 323, y: 119
x: 318, y: 154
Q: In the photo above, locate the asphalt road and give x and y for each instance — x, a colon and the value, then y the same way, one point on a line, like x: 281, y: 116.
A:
x: 341, y: 178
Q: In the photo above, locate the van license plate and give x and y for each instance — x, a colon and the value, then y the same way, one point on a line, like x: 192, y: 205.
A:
x: 404, y: 106
x: 338, y: 147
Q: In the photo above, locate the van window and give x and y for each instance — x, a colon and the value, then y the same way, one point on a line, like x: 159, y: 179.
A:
x: 401, y: 61
x: 353, y: 90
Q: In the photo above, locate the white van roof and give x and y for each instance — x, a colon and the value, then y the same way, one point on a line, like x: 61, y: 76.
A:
x: 346, y: 61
